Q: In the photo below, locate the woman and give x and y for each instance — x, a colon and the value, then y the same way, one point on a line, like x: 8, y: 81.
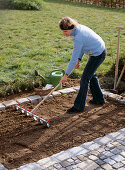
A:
x: 86, y: 41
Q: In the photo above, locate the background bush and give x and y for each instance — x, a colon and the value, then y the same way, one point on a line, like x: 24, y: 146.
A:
x: 22, y: 4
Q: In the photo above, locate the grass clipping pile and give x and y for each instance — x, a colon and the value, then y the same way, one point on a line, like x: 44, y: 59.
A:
x: 24, y: 140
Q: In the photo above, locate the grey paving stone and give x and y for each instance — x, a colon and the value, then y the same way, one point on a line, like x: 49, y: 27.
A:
x: 87, y: 154
x: 118, y: 165
x: 70, y: 160
x: 102, y: 156
x: 50, y: 168
x: 88, y: 165
x: 123, y: 168
x: 30, y: 166
x: 76, y: 88
x: 56, y: 93
x: 94, y: 146
x: 74, y: 157
x: 9, y: 103
x: 77, y: 161
x: 77, y: 151
x: 122, y: 131
x: 106, y: 93
x: 113, y: 96
x: 115, y: 143
x: 110, y: 145
x: 108, y: 153
x: 114, y: 135
x: 77, y: 169
x: 121, y: 147
x: 69, y: 167
x: 92, y: 157
x: 65, y: 164
x: 115, y: 151
x: 121, y: 142
x: 81, y: 157
x: 103, y: 141
x: 34, y: 99
x: 68, y: 90
x: 99, y: 169
x: 100, y: 162
x: 107, y: 167
x: 123, y: 153
x: 107, y: 148
x: 109, y: 161
x: 61, y: 156
x: 2, y: 167
x: 23, y: 100
x: 122, y: 101
x: 2, y: 107
x: 87, y: 144
x: 101, y: 149
x: 96, y: 153
x: 120, y: 137
x: 49, y: 97
x: 118, y: 158
x: 46, y: 162
x: 123, y: 162
x: 57, y: 166
x: 73, y: 167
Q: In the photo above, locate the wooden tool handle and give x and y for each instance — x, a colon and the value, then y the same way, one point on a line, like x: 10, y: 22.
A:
x: 45, y: 98
x: 48, y: 95
x: 120, y: 76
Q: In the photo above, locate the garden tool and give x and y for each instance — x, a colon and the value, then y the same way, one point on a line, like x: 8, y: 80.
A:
x: 33, y: 113
x: 28, y: 113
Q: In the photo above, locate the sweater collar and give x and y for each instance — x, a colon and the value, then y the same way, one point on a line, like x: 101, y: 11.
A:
x: 73, y: 32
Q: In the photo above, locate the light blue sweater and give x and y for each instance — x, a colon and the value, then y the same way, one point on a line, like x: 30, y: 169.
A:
x: 86, y: 41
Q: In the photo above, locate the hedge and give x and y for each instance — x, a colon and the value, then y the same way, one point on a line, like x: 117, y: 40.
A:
x: 21, y: 4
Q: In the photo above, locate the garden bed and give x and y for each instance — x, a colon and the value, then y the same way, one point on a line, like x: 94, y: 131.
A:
x: 24, y: 140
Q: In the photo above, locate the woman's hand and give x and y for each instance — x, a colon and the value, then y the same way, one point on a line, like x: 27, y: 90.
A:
x: 77, y: 64
x: 64, y: 79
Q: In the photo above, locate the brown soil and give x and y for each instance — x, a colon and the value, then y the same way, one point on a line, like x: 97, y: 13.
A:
x: 24, y: 140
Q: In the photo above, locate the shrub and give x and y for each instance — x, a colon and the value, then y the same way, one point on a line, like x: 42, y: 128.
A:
x: 22, y: 4
x: 29, y: 4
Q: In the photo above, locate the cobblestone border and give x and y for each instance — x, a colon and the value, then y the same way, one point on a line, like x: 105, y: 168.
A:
x: 37, y: 98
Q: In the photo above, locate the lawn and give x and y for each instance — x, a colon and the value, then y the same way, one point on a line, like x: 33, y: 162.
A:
x: 32, y: 40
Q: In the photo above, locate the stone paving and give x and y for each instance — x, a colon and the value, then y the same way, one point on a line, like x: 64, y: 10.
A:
x: 104, y: 153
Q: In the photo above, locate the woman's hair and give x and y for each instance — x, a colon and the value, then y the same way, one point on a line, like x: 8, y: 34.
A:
x: 67, y: 23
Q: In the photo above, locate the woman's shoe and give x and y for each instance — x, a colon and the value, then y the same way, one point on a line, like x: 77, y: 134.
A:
x: 73, y: 110
x: 95, y: 102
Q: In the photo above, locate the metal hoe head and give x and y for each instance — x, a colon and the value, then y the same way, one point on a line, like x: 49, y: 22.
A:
x: 35, y: 117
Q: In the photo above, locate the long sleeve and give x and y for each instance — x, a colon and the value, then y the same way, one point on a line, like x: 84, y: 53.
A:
x: 77, y: 53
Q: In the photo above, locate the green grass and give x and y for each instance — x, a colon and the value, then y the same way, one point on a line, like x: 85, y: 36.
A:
x: 32, y: 40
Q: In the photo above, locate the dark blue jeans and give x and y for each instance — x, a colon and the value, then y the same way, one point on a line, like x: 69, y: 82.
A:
x: 89, y: 77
